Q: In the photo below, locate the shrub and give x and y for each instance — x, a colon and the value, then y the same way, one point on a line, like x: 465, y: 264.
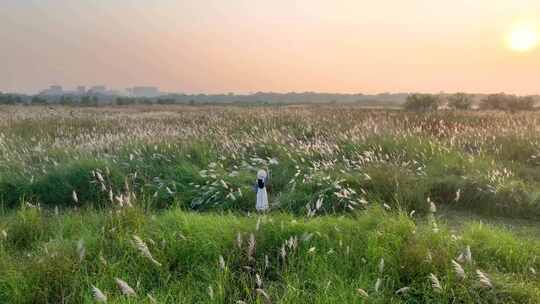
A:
x: 27, y: 227
x: 57, y: 186
x: 460, y: 101
x: 13, y: 189
x: 56, y: 277
x: 422, y: 102
x: 504, y: 102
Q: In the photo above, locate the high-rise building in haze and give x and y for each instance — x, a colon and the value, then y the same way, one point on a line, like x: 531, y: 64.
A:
x: 81, y: 90
x: 97, y: 90
x: 53, y: 90
x: 148, y: 92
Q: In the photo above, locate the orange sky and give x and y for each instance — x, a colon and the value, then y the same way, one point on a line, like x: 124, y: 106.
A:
x: 243, y: 46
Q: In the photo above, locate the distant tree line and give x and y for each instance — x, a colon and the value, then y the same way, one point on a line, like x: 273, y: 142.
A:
x: 10, y: 99
x: 463, y: 101
x: 412, y: 102
x: 505, y: 102
x: 259, y: 98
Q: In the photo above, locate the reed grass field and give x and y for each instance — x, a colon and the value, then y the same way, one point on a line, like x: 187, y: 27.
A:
x: 155, y: 204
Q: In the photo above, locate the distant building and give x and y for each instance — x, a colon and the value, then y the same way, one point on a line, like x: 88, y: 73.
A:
x: 113, y: 93
x: 54, y: 90
x: 81, y: 90
x: 95, y: 90
x: 148, y: 92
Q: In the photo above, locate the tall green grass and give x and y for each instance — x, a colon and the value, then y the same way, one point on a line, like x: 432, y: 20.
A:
x: 45, y: 156
x: 298, y: 260
x: 170, y: 175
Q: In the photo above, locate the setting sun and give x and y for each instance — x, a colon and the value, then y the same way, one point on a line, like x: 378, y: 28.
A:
x: 523, y: 38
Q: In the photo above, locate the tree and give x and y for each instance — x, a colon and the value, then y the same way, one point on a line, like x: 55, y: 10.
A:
x: 89, y: 101
x: 460, y: 101
x: 146, y: 101
x: 525, y: 103
x: 122, y: 101
x: 504, y: 102
x: 9, y: 99
x: 165, y: 101
x: 498, y: 101
x: 36, y: 100
x: 66, y: 100
x: 422, y: 102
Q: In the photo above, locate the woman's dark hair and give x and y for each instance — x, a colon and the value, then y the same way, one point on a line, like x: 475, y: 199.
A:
x: 260, y: 183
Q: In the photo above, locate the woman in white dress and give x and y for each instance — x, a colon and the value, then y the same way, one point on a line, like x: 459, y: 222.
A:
x: 262, y: 195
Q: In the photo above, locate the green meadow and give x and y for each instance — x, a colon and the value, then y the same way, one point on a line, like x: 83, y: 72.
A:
x: 155, y: 204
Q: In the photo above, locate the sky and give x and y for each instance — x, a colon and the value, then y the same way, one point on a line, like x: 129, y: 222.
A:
x: 220, y: 46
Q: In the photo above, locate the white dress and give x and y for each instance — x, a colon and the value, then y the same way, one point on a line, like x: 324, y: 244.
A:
x: 262, y: 199
x: 262, y: 195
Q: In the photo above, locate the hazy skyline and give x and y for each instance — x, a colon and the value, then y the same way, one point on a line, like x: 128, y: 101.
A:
x: 216, y: 46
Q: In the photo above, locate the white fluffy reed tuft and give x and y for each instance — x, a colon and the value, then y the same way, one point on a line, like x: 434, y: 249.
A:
x: 141, y: 246
x: 211, y: 292
x: 484, y: 280
x: 432, y: 206
x: 468, y: 254
x: 435, y: 283
x: 381, y: 265
x: 99, y: 296
x: 251, y: 246
x: 258, y: 280
x: 125, y: 288
x: 403, y: 290
x: 221, y: 262
x: 258, y: 226
x: 265, y: 296
x: 81, y: 251
x: 460, y: 272
x: 378, y: 284
x: 266, y: 262
x: 362, y: 293
x: 465, y: 256
x: 239, y: 240
x: 151, y: 299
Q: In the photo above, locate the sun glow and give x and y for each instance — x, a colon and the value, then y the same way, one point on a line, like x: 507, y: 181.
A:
x: 523, y: 38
